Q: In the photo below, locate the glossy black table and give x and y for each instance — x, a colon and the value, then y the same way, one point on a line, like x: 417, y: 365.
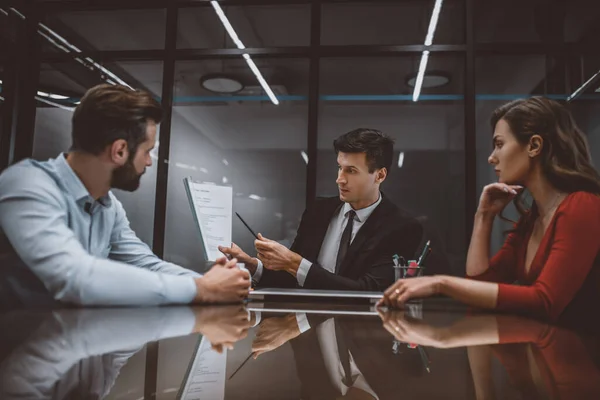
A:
x: 310, y: 350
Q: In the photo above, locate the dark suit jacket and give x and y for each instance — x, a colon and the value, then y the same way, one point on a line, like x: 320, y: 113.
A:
x: 371, y: 347
x: 310, y: 365
x: 368, y: 264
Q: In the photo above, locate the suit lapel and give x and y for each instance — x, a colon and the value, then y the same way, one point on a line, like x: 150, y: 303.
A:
x: 366, y: 231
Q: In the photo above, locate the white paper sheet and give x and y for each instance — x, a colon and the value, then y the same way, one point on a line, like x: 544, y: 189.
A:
x: 213, y: 208
x: 206, y: 377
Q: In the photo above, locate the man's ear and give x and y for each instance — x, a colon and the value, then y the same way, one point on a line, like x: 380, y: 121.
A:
x: 119, y: 152
x: 380, y: 175
x: 536, y: 144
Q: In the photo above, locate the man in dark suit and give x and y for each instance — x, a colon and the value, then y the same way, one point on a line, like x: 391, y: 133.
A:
x: 342, y: 357
x: 345, y: 242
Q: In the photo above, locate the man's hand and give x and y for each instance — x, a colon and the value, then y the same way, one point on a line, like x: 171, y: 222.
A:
x: 223, y: 283
x: 273, y: 332
x: 236, y: 252
x: 276, y: 256
x: 222, y: 325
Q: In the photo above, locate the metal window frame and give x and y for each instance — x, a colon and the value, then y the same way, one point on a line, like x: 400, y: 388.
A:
x: 19, y: 108
x: 314, y: 52
x: 470, y: 49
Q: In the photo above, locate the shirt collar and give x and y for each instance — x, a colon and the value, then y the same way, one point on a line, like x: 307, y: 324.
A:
x: 363, y: 213
x: 73, y: 184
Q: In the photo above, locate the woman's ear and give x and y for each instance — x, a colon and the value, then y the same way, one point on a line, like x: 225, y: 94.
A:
x: 536, y: 144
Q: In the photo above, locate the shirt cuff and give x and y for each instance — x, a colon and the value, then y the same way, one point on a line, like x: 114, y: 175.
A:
x: 258, y: 273
x: 302, y: 272
x: 258, y: 316
x: 302, y: 321
x: 179, y: 321
x: 179, y: 289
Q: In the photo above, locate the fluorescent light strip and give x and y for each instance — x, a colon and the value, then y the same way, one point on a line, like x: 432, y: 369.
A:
x: 420, y: 75
x: 85, y: 61
x: 225, y: 21
x: 17, y: 12
x: 583, y: 87
x: 401, y: 160
x: 67, y: 47
x: 234, y: 37
x: 304, y: 156
x: 435, y: 15
x: 437, y: 8
x: 54, y: 43
x: 52, y: 95
x: 261, y: 80
x: 54, y: 104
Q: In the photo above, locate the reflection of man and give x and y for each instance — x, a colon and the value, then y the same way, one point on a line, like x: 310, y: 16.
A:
x: 345, y: 242
x: 324, y: 362
x: 77, y: 354
x: 69, y: 234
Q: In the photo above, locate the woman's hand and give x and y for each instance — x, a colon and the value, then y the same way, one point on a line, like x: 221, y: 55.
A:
x: 404, y: 290
x: 411, y: 330
x: 495, y: 197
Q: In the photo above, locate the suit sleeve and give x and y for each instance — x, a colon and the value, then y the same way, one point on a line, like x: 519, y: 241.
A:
x: 282, y: 279
x: 380, y: 273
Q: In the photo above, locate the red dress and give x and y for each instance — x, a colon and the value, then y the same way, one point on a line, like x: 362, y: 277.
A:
x: 564, y: 278
x: 564, y: 360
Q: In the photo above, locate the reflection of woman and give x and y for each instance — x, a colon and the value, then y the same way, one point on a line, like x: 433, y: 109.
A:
x: 542, y: 361
x: 553, y: 364
x: 552, y: 251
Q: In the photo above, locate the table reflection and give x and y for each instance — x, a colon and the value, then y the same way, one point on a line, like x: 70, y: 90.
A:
x: 270, y: 351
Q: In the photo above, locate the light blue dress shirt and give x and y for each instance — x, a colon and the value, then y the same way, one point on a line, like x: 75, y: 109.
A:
x: 82, y: 250
x: 331, y: 242
x: 85, y: 350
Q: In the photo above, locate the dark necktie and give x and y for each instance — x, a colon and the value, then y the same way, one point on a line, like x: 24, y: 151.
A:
x: 344, y: 355
x: 345, y: 242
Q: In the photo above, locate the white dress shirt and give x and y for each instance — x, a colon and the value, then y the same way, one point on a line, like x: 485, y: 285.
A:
x: 328, y: 343
x: 329, y: 348
x: 331, y: 242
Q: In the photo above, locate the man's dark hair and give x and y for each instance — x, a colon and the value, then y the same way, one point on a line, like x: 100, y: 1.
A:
x: 112, y: 112
x: 378, y: 147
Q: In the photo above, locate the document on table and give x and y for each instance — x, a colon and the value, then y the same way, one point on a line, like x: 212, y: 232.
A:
x: 205, y: 379
x: 212, y: 207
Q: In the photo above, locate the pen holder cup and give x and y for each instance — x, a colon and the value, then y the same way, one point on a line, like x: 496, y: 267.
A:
x: 410, y: 271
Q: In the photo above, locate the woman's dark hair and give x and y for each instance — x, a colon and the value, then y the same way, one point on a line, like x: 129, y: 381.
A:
x: 112, y: 112
x: 565, y: 157
x: 378, y: 146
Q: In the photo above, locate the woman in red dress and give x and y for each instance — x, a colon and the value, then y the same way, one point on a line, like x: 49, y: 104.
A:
x: 548, y: 266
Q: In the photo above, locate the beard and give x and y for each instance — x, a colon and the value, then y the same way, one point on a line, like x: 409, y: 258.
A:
x: 126, y: 177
